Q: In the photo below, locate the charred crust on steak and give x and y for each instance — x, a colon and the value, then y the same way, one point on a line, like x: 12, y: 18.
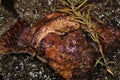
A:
x: 8, y: 41
x: 66, y: 53
x: 59, y: 23
x: 59, y: 38
x: 108, y: 36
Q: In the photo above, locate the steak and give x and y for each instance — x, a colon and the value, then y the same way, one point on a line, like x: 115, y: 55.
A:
x: 61, y: 41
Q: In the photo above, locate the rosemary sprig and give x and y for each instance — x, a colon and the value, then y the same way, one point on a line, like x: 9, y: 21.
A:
x: 79, y: 10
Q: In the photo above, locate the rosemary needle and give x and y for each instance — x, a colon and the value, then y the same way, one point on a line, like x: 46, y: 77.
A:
x: 79, y: 10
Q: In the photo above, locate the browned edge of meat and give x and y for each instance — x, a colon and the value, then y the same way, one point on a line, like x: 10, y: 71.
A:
x: 9, y: 40
x: 56, y: 22
x: 109, y: 36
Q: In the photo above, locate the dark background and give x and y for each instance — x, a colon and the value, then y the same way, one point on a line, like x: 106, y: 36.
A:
x: 25, y: 67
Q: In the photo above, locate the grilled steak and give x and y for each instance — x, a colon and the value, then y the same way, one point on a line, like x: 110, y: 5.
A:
x: 62, y: 42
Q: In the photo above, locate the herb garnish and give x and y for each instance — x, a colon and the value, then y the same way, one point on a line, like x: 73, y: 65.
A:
x: 80, y: 10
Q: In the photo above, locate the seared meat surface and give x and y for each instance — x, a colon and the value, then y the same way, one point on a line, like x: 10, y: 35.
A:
x: 109, y: 37
x: 69, y: 55
x: 55, y: 22
x: 8, y: 41
x: 62, y: 42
